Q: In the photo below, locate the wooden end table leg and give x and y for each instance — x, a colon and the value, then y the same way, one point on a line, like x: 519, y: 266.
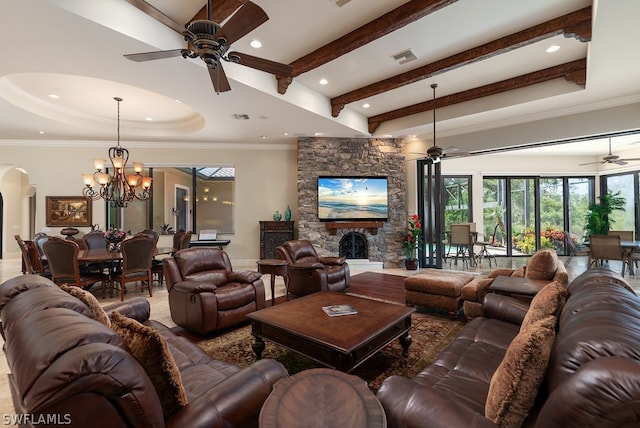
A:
x: 258, y: 347
x: 405, y: 341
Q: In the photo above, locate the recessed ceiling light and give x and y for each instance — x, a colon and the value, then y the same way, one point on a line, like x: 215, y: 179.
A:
x: 323, y: 81
x: 41, y: 132
x: 256, y: 44
x: 264, y: 137
x: 553, y: 48
x: 366, y: 105
x: 317, y: 134
x: 54, y: 96
x: 148, y: 119
x: 286, y: 134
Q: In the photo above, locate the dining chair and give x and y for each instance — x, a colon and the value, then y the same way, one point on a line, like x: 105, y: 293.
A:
x: 39, y: 262
x: 27, y: 266
x: 181, y: 240
x: 137, y: 254
x: 461, y: 238
x: 603, y: 248
x: 94, y: 240
x: 156, y: 264
x: 62, y: 257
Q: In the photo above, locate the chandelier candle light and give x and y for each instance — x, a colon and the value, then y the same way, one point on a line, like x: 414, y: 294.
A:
x: 118, y: 188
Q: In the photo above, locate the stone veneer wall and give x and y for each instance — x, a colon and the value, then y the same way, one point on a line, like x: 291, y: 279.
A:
x: 346, y: 156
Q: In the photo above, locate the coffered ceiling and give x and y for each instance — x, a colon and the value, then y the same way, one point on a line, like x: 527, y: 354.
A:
x: 497, y: 85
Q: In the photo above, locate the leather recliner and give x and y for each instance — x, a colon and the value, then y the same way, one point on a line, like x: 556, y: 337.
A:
x: 205, y: 294
x: 309, y: 273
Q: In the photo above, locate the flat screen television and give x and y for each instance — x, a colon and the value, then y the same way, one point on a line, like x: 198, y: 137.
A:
x: 353, y: 198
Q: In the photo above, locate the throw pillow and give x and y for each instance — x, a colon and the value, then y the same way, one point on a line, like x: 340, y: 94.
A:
x: 516, y: 381
x: 549, y: 301
x: 89, y: 300
x: 152, y: 352
x: 543, y: 265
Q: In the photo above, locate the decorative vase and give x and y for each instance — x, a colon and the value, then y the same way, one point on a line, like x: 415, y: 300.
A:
x: 411, y: 264
x: 113, y: 244
x: 277, y: 216
x: 287, y: 214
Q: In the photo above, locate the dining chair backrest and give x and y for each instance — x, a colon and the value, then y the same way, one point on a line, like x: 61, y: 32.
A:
x: 137, y: 253
x: 38, y: 263
x: 62, y: 256
x: 182, y: 240
x: 150, y: 233
x: 26, y: 257
x: 460, y: 234
x: 625, y: 235
x: 94, y: 240
x: 605, y: 247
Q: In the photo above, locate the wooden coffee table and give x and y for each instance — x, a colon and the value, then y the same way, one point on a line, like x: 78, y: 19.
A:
x: 322, y: 398
x: 342, y: 342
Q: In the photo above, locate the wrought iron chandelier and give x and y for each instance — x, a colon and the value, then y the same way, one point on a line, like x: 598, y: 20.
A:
x: 117, y: 188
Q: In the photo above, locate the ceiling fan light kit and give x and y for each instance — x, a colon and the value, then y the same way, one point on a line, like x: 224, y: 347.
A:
x: 611, y: 158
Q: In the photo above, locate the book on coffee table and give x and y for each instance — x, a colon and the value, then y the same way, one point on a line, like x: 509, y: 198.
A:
x: 339, y: 310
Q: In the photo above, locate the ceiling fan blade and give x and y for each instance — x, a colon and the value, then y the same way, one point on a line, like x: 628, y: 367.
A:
x: 590, y: 163
x: 455, y: 154
x: 262, y: 64
x: 246, y: 19
x: 219, y: 79
x: 150, y: 56
x: 450, y: 149
x: 629, y: 159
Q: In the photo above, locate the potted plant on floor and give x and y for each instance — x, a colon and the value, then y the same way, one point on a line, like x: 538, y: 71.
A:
x: 410, y: 241
x: 598, y: 216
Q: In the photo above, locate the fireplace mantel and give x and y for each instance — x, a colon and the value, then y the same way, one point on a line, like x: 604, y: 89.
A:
x: 372, y: 226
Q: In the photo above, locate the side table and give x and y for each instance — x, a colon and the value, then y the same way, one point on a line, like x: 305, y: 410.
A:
x: 274, y: 267
x: 322, y: 398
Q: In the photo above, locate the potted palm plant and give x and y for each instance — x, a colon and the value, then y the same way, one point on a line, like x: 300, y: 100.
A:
x: 598, y: 216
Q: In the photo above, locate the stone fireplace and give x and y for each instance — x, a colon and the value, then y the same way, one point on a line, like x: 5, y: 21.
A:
x: 358, y: 156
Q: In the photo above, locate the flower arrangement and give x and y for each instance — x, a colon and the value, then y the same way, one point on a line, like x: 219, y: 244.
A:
x: 411, y: 237
x: 114, y: 234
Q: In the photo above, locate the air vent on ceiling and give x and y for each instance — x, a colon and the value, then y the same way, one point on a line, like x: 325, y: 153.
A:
x: 404, y: 56
x: 241, y: 116
x: 340, y: 3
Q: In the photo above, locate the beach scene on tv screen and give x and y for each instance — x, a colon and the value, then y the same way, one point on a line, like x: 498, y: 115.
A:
x: 352, y: 198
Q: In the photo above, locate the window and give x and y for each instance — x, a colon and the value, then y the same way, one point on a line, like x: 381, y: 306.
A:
x: 457, y: 200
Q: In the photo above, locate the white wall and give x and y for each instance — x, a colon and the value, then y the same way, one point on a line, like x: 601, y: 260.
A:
x: 266, y: 181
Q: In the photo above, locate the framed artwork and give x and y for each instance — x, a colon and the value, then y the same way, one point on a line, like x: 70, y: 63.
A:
x: 68, y: 211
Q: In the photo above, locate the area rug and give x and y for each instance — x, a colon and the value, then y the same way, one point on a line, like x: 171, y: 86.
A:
x: 430, y: 334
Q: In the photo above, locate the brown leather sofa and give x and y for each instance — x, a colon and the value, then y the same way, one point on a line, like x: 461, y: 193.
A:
x: 66, y: 365
x: 592, y: 378
x: 206, y: 294
x: 544, y: 264
x: 309, y: 273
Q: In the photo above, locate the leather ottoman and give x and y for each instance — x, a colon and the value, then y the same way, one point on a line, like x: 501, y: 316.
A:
x: 435, y: 288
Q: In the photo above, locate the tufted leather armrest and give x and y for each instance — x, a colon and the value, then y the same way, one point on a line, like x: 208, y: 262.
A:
x: 306, y: 266
x: 332, y: 260
x: 247, y: 276
x: 194, y: 286
x: 137, y: 308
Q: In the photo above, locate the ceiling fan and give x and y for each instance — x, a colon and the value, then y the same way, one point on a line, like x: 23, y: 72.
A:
x: 434, y: 153
x: 611, y: 158
x: 210, y: 42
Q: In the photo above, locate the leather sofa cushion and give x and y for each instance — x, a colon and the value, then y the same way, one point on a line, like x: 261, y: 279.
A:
x: 549, y: 301
x: 90, y: 300
x: 515, y: 384
x: 150, y: 349
x: 234, y: 296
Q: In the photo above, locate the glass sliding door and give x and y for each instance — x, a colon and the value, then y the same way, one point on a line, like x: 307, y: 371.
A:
x: 494, y: 204
x: 457, y: 200
x: 627, y: 185
x: 430, y: 210
x: 581, y: 194
x: 522, y: 219
x: 552, y: 214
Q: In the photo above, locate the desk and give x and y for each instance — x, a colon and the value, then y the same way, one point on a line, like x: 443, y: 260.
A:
x: 274, y: 267
x: 517, y: 286
x: 220, y: 243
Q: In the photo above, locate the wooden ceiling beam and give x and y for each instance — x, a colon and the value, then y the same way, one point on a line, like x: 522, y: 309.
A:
x: 574, y: 71
x: 391, y: 21
x: 576, y: 24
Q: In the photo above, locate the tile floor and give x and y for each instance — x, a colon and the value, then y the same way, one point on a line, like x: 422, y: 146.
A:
x: 160, y: 308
